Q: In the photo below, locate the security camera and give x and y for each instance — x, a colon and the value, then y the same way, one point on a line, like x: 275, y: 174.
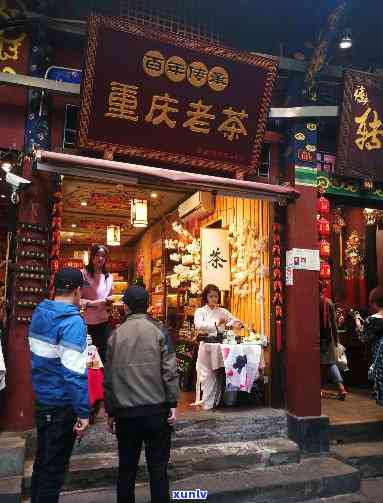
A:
x: 18, y: 183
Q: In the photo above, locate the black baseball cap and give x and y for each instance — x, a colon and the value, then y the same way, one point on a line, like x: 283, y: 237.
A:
x: 137, y: 298
x: 68, y: 279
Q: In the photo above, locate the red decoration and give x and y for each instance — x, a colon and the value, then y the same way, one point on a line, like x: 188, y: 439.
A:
x: 305, y: 155
x: 324, y: 248
x: 324, y: 227
x: 325, y: 271
x: 323, y: 206
x: 278, y: 290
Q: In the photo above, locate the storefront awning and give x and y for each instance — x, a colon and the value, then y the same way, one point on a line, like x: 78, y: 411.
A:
x: 75, y: 165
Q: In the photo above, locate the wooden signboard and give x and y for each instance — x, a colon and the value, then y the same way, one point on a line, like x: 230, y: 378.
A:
x: 360, y: 144
x: 156, y: 96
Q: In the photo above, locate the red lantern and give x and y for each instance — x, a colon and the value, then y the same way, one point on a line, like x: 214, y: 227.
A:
x: 325, y: 271
x: 323, y: 206
x: 277, y: 262
x: 323, y: 227
x: 324, y: 248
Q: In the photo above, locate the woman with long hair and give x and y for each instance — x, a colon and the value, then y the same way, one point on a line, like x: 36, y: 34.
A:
x: 98, y: 285
x: 210, y: 319
x: 329, y: 341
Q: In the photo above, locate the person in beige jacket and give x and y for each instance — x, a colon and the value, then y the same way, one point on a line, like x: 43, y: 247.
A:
x: 141, y: 393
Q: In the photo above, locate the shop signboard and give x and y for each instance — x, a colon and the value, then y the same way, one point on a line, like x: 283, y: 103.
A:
x: 215, y: 258
x: 360, y: 143
x: 160, y: 97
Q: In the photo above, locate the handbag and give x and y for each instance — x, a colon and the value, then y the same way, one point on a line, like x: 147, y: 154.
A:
x: 341, y: 358
x: 373, y: 368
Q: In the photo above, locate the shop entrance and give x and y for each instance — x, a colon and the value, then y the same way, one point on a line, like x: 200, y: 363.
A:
x: 154, y: 237
x: 356, y: 269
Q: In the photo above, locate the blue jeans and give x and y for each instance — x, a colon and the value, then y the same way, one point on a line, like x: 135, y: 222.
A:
x: 55, y: 441
x: 334, y: 374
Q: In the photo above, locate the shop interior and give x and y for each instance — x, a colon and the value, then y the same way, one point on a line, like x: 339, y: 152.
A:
x: 353, y: 248
x: 154, y: 238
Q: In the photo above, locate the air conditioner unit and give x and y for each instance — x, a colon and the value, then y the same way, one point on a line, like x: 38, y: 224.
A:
x: 199, y: 205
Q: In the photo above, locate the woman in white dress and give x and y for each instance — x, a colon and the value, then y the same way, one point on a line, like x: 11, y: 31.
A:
x: 211, y: 319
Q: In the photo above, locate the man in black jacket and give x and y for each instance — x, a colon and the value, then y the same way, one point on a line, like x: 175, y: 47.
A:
x: 141, y: 392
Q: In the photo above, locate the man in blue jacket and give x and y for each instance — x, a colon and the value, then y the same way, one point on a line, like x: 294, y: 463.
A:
x: 57, y: 339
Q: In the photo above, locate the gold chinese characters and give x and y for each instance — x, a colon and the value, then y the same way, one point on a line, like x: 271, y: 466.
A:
x: 368, y: 132
x: 177, y: 70
x: 123, y: 103
x: 360, y: 95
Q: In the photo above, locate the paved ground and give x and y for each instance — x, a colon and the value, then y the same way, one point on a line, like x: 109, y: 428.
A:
x: 372, y: 490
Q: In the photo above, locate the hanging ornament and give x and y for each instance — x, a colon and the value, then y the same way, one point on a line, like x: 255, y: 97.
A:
x: 325, y: 271
x: 324, y: 249
x: 323, y: 227
x: 323, y: 206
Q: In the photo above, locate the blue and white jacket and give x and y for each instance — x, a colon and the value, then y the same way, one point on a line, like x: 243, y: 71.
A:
x: 57, y: 339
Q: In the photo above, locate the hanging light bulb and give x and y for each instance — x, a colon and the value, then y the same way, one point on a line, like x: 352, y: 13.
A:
x: 346, y: 40
x: 139, y: 213
x: 113, y: 235
x: 85, y: 257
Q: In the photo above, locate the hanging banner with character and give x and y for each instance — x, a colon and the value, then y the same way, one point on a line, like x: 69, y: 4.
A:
x: 360, y: 144
x: 215, y: 258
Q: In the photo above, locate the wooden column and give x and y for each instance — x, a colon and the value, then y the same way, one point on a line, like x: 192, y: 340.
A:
x: 302, y: 341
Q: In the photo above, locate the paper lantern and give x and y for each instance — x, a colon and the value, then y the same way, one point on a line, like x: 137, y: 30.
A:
x: 324, y: 248
x: 323, y: 206
x: 139, y: 213
x: 113, y: 235
x: 325, y: 271
x: 323, y: 227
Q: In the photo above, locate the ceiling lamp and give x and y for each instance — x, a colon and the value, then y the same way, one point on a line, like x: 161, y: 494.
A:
x: 6, y: 166
x: 139, y: 213
x: 346, y: 40
x: 113, y: 235
x: 85, y: 257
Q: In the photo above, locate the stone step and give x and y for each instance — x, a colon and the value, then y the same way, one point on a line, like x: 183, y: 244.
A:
x: 204, y: 427
x: 11, y: 489
x: 365, y: 456
x: 98, y: 470
x: 12, y: 456
x: 310, y: 479
x: 357, y: 431
x: 346, y: 498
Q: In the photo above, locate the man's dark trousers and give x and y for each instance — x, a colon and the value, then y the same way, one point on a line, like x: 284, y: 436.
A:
x: 155, y: 432
x: 55, y: 441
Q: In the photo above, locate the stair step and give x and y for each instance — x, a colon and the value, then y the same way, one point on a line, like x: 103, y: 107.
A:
x: 98, y: 470
x: 357, y: 431
x: 312, y: 478
x: 346, y: 498
x: 11, y: 489
x: 365, y: 456
x: 204, y: 427
x: 12, y: 456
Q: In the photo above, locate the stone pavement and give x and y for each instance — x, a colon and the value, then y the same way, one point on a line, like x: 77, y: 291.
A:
x: 372, y: 492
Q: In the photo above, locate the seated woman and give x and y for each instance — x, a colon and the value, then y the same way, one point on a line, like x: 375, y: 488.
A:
x: 210, y: 320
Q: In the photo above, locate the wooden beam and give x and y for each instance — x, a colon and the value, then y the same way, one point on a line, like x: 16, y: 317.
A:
x: 52, y: 86
x: 56, y: 87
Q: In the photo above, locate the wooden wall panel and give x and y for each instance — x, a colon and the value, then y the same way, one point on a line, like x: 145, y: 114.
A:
x: 257, y: 213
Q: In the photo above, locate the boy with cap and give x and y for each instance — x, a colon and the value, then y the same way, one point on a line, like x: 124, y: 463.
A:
x: 141, y: 392
x: 57, y: 339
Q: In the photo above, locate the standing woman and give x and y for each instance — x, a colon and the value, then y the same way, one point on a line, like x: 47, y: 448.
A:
x: 210, y: 319
x: 329, y: 341
x: 373, y: 334
x: 98, y: 285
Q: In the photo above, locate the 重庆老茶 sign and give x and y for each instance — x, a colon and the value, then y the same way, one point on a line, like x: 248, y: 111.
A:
x: 157, y: 96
